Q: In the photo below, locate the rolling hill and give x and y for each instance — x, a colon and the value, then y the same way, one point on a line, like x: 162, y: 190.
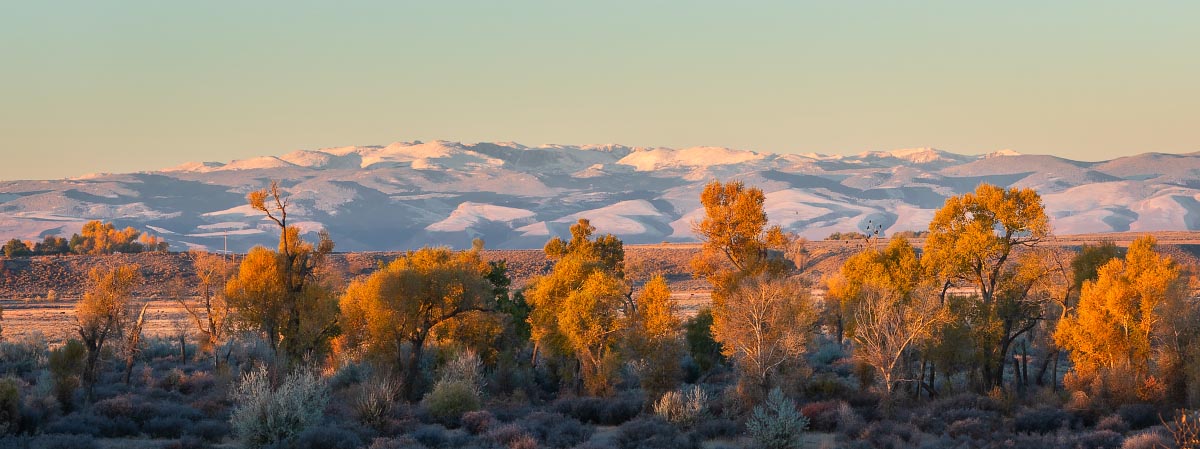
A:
x: 408, y: 194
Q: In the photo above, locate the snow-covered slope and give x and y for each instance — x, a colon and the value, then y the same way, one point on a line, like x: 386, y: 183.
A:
x: 408, y: 194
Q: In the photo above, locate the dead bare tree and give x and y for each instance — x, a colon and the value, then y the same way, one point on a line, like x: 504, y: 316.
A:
x: 887, y: 325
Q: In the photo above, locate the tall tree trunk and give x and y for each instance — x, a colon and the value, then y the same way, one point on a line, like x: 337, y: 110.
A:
x: 183, y: 348
x: 134, y: 343
x: 91, y: 366
x: 921, y: 378
x: 1025, y: 363
x: 413, y: 370
x: 1044, y: 365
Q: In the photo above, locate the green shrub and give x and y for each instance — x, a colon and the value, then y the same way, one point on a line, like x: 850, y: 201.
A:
x: 776, y: 424
x: 66, y: 364
x: 705, y: 351
x: 10, y: 406
x: 264, y: 416
x: 450, y: 399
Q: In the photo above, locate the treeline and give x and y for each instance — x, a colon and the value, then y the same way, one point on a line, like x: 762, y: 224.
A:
x: 983, y: 335
x: 96, y: 237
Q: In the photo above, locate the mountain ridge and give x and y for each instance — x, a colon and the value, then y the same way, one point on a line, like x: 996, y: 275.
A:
x: 408, y: 194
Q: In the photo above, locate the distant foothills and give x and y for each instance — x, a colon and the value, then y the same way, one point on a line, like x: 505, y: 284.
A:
x: 411, y: 194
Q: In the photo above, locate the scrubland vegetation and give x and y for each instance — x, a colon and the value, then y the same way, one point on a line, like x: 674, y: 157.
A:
x: 982, y: 338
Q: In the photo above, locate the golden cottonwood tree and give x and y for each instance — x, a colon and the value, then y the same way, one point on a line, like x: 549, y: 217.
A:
x: 103, y: 313
x: 280, y: 293
x: 971, y: 243
x: 654, y: 336
x: 1111, y: 336
x: 576, y: 309
x: 737, y: 241
x: 743, y: 258
x: 406, y: 300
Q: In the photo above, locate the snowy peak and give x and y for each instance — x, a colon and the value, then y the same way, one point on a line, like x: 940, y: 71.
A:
x: 695, y: 157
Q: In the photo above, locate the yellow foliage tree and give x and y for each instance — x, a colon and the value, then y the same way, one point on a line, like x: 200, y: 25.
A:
x: 576, y: 309
x: 103, y: 313
x: 742, y: 255
x: 104, y: 238
x: 655, y: 340
x: 737, y: 241
x: 406, y: 300
x: 1111, y: 336
x: 971, y: 243
x: 280, y: 293
x: 590, y: 320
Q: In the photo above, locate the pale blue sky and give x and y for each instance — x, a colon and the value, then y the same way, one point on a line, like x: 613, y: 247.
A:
x: 122, y: 86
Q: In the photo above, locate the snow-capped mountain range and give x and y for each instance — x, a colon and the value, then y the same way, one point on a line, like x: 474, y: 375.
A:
x: 410, y: 194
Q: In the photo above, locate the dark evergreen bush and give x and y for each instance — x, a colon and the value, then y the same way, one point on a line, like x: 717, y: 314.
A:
x: 555, y: 430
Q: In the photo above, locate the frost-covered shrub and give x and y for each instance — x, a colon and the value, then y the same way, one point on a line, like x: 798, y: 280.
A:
x: 682, y: 407
x: 776, y: 424
x: 262, y: 416
x: 375, y: 400
x: 1147, y: 440
x: 466, y: 367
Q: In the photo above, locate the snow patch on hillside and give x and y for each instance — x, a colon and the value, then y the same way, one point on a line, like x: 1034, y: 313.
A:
x: 469, y: 214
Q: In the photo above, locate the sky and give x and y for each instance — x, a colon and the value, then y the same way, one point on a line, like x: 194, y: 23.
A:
x: 125, y: 86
